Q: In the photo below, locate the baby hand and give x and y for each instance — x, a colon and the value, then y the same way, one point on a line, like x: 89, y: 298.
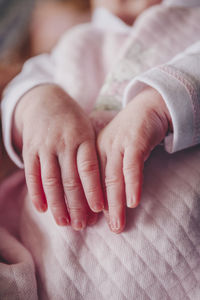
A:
x: 123, y: 146
x: 58, y: 148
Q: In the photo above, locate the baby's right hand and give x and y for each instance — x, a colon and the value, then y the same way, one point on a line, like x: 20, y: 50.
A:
x: 57, y: 142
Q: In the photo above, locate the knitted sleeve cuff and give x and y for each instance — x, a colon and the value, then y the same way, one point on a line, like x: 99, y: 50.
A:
x: 180, y: 95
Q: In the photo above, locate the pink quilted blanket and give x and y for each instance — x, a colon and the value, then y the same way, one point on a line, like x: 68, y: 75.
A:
x: 157, y: 257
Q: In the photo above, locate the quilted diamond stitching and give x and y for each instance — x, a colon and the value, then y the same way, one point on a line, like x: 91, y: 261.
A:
x: 119, y: 260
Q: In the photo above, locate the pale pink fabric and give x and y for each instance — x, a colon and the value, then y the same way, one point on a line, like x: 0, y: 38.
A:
x: 158, y: 256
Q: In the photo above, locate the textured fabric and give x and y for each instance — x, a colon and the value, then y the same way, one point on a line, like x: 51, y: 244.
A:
x: 14, y: 17
x: 157, y: 257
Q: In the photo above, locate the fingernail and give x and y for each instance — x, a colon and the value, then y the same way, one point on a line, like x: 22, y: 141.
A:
x: 98, y: 207
x: 131, y: 202
x: 77, y: 225
x: 115, y: 224
x: 62, y: 221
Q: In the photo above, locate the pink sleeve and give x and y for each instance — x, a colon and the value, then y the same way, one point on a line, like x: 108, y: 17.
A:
x: 179, y: 84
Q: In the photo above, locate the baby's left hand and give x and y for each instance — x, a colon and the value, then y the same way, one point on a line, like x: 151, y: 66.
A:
x: 123, y: 146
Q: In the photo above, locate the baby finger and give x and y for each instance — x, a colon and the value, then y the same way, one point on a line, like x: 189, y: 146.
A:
x: 88, y: 169
x: 133, y: 173
x: 114, y: 183
x: 53, y: 189
x: 75, y: 197
x: 34, y: 182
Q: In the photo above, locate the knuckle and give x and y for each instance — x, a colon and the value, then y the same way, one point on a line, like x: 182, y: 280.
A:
x: 32, y: 178
x: 51, y: 182
x: 131, y: 170
x: 56, y: 207
x: 129, y: 167
x: 35, y: 197
x: 62, y: 145
x: 76, y: 210
x: 31, y: 146
x: 88, y: 166
x: 111, y: 181
x: 91, y: 190
x: 115, y: 205
x: 71, y: 184
x: 29, y: 154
